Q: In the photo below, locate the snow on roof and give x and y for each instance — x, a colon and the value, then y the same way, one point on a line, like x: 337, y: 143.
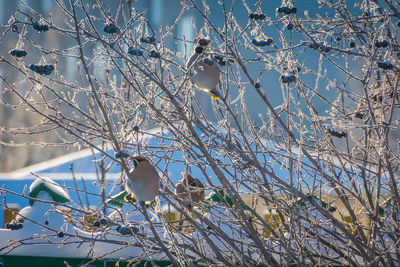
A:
x: 45, y: 184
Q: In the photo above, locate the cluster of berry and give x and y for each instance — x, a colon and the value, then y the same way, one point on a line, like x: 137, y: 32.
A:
x: 381, y: 44
x: 288, y: 78
x: 111, y: 28
x: 340, y: 134
x: 262, y: 43
x: 40, y: 27
x: 257, y: 16
x: 221, y: 61
x: 18, y: 53
x: 148, y: 40
x: 127, y: 229
x: 42, y: 69
x: 122, y: 154
x: 14, y: 225
x: 135, y: 51
x: 385, y: 64
x: 287, y: 10
x: 102, y: 221
x: 320, y: 46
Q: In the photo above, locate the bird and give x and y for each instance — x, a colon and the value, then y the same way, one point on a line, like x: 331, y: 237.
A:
x: 143, y: 181
x: 204, y: 69
x: 190, y: 190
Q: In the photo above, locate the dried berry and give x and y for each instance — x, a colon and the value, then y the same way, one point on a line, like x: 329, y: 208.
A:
x: 60, y: 234
x: 148, y: 40
x: 42, y: 69
x: 287, y: 10
x: 381, y: 44
x: 257, y: 16
x: 352, y: 44
x: 96, y: 224
x: 359, y: 115
x: 18, y: 53
x: 289, y: 26
x: 40, y: 27
x: 111, y: 28
x: 135, y: 51
x: 127, y: 229
x: 262, y: 43
x: 199, y: 49
x: 14, y: 225
x: 154, y: 54
x: 257, y: 85
x: 122, y: 154
x: 385, y: 64
x: 320, y: 46
x: 340, y: 134
x: 288, y: 78
x: 135, y: 128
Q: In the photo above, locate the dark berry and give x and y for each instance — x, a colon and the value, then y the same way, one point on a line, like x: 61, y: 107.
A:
x: 135, y: 52
x: 18, y: 53
x: 60, y: 234
x: 398, y: 24
x: 134, y: 229
x: 340, y: 134
x: 103, y: 221
x: 135, y: 128
x: 42, y: 69
x: 293, y: 10
x: 148, y: 40
x: 257, y: 85
x: 289, y: 26
x: 96, y: 224
x: 198, y: 49
x: 122, y: 154
x: 250, y: 219
x: 386, y: 65
x: 46, y: 222
x: 320, y: 46
x: 251, y: 16
x: 352, y: 44
x: 40, y: 27
x: 381, y: 44
x: 154, y: 54
x: 288, y: 78
x: 111, y: 28
x: 123, y: 230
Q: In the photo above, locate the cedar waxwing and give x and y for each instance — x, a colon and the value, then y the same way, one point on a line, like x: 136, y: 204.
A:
x: 206, y: 71
x: 143, y: 181
x: 190, y: 190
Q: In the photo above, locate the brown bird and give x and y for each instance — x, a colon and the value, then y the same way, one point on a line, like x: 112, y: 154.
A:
x: 190, y: 190
x: 206, y: 71
x: 143, y: 181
